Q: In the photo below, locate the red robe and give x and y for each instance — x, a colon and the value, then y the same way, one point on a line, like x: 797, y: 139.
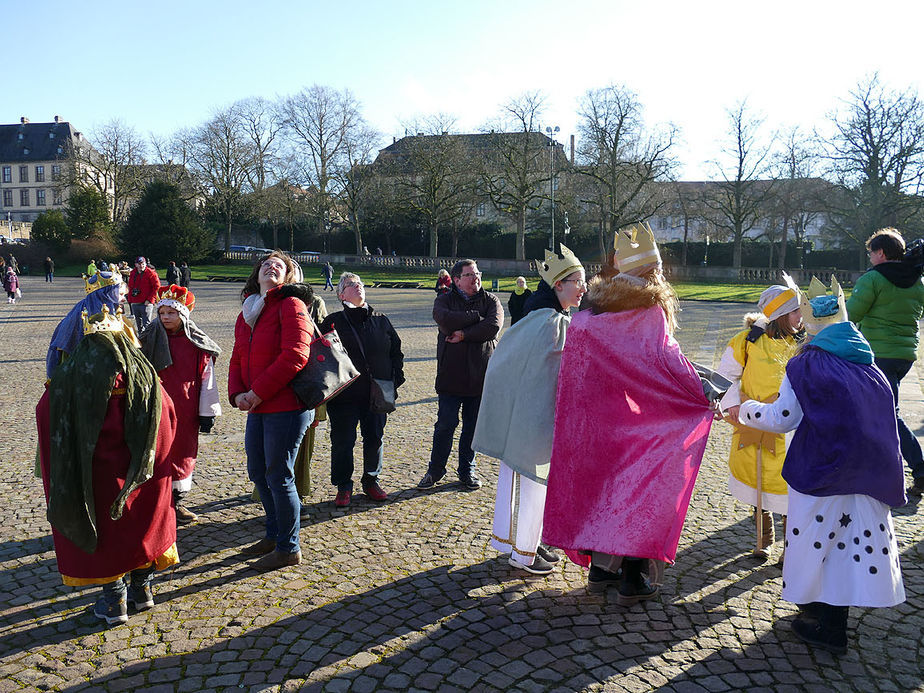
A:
x: 147, y: 528
x: 183, y: 382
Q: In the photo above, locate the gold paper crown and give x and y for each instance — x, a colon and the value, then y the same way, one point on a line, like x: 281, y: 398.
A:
x: 103, y: 321
x: 556, y: 267
x: 100, y: 281
x: 636, y: 247
x: 813, y: 324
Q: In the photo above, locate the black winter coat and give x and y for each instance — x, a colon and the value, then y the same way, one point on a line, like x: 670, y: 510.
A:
x: 383, y: 357
x: 460, y: 367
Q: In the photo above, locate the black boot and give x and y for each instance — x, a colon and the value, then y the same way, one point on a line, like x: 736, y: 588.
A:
x: 634, y: 587
x: 828, y: 632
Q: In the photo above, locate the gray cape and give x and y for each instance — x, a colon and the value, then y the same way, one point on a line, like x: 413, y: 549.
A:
x: 517, y: 414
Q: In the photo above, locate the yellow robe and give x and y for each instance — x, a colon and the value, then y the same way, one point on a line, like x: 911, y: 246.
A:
x: 757, y: 368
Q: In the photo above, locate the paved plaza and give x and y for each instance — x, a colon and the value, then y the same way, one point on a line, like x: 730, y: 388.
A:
x: 407, y: 595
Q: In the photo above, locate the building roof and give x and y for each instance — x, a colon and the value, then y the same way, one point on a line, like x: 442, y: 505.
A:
x: 25, y: 142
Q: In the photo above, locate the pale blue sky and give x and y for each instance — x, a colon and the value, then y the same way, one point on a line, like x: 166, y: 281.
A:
x: 166, y: 65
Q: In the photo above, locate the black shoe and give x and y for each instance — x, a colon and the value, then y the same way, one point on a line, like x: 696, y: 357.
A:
x: 537, y: 567
x: 428, y: 481
x: 916, y: 489
x: 472, y: 483
x: 634, y: 587
x: 548, y: 555
x: 816, y: 635
x: 599, y: 579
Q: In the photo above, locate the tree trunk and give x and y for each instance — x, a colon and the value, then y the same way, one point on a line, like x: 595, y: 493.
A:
x: 455, y: 239
x: 521, y: 233
x: 357, y: 234
x: 601, y: 238
x: 736, y: 255
x: 683, y: 248
x: 783, y: 244
x: 434, y: 240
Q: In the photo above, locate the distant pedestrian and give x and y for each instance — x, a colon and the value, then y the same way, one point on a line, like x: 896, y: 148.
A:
x: 143, y: 284
x: 91, y: 268
x: 185, y: 275
x: 10, y: 285
x: 173, y: 274
x: 378, y: 251
x: 517, y: 300
x: 443, y: 282
x: 328, y: 271
x: 49, y: 270
x: 14, y: 264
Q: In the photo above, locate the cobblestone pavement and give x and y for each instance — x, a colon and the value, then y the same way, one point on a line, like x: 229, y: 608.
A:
x: 407, y: 594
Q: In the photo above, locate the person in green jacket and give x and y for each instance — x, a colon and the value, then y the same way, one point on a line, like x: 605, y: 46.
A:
x: 886, y: 304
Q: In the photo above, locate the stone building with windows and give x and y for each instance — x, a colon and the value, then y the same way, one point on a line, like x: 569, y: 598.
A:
x: 35, y: 169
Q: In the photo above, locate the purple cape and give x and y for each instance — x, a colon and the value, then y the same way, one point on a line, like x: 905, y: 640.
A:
x: 847, y: 441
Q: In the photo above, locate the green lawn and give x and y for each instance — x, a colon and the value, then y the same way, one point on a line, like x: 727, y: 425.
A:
x: 745, y: 293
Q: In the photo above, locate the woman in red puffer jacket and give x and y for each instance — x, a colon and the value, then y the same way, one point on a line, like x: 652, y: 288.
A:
x: 271, y: 339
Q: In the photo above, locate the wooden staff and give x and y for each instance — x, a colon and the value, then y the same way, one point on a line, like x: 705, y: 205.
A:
x: 760, y: 509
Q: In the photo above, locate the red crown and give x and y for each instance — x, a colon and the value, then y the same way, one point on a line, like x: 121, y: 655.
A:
x: 180, y: 294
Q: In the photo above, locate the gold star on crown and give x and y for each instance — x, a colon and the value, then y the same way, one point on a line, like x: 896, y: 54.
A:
x: 556, y: 267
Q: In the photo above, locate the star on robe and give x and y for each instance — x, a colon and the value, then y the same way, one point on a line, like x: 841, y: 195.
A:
x: 845, y: 520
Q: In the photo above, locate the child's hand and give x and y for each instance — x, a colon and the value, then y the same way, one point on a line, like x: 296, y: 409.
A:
x: 732, y: 413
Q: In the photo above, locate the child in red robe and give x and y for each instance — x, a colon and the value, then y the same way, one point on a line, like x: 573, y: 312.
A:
x: 184, y: 357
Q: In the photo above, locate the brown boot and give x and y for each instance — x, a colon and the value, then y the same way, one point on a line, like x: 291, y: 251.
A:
x: 765, y: 540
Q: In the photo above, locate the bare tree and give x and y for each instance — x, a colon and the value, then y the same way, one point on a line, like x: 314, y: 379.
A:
x: 514, y: 169
x: 112, y: 166
x: 738, y: 200
x: 318, y: 123
x: 354, y: 178
x: 795, y: 200
x: 622, y: 159
x: 221, y: 152
x: 433, y: 174
x: 876, y: 158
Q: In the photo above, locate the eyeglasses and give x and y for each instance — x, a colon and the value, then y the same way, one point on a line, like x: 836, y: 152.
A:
x: 579, y: 283
x: 472, y: 274
x: 353, y: 285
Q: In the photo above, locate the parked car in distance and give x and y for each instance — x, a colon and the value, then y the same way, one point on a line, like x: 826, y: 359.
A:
x: 243, y: 249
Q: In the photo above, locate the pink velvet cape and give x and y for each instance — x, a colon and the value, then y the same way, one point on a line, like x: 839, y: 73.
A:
x: 631, y: 427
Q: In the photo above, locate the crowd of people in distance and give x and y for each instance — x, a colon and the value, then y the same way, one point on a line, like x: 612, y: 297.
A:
x: 809, y: 386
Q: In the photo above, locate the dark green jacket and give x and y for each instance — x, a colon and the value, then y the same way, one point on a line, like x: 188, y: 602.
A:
x: 886, y: 304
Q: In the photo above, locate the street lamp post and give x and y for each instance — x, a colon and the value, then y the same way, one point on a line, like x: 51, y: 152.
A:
x: 551, y: 133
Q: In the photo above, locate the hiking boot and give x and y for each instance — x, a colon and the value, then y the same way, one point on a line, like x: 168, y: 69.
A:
x: 539, y: 566
x: 428, y: 481
x: 375, y: 492
x: 471, y: 483
x: 343, y: 498
x: 185, y: 516
x: 766, y: 537
x: 276, y: 560
x: 111, y: 606
x: 261, y: 547
x: 548, y: 555
x: 141, y: 597
x: 634, y: 587
x: 599, y: 579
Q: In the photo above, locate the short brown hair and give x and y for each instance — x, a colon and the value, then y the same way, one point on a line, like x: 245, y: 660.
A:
x: 460, y: 266
x: 889, y: 241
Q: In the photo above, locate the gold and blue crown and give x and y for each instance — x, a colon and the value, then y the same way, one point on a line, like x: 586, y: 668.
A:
x: 101, y: 280
x: 821, y: 309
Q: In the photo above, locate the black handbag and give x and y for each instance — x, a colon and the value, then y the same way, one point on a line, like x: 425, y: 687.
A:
x: 328, y: 371
x: 382, y: 395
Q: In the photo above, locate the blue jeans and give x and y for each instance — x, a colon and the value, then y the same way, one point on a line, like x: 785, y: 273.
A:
x: 447, y: 419
x: 343, y: 421
x: 272, y: 441
x: 49, y: 277
x: 895, y: 370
